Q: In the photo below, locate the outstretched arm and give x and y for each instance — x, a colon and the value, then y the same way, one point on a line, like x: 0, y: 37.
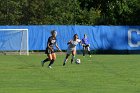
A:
x: 58, y: 47
x: 69, y: 42
x: 80, y: 42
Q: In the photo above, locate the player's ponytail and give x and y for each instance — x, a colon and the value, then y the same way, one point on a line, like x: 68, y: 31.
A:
x: 75, y: 36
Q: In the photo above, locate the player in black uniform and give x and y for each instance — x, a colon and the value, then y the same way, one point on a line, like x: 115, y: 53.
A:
x: 50, y: 50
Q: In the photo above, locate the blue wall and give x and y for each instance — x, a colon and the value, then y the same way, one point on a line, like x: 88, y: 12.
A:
x: 101, y: 37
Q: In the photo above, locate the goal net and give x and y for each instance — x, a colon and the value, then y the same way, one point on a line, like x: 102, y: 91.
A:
x: 14, y: 41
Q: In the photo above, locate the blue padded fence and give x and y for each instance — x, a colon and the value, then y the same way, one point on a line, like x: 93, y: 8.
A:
x: 100, y: 37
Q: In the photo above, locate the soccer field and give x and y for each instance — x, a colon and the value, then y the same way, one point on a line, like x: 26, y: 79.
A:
x: 98, y: 74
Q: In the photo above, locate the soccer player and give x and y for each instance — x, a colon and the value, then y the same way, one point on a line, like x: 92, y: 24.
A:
x: 50, y: 50
x: 86, y: 45
x: 72, y: 48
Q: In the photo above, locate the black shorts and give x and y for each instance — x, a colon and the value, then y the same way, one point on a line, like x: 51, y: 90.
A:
x: 48, y: 51
x: 86, y: 45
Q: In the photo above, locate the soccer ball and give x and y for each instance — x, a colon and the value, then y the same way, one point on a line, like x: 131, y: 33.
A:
x: 78, y: 61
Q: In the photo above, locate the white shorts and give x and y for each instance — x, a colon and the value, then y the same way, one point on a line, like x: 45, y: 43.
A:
x: 70, y: 50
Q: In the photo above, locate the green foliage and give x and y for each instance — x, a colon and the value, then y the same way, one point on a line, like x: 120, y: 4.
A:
x: 68, y: 12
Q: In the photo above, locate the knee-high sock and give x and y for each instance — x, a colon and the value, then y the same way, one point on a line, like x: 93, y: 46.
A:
x: 47, y: 59
x: 73, y: 57
x: 83, y: 51
x: 65, y: 60
x: 51, y: 62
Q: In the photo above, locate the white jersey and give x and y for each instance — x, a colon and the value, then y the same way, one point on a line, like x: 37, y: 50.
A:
x: 72, y: 45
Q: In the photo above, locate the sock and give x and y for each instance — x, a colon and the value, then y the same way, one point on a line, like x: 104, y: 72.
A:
x: 89, y: 53
x: 65, y: 60
x: 51, y: 62
x: 83, y: 51
x: 72, y: 58
x: 47, y: 59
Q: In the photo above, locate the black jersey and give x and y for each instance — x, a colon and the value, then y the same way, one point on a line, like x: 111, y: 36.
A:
x: 51, y: 41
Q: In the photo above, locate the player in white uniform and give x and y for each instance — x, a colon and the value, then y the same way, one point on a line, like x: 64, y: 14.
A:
x: 72, y: 48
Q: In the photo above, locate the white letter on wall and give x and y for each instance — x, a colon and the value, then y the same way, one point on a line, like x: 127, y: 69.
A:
x: 130, y: 38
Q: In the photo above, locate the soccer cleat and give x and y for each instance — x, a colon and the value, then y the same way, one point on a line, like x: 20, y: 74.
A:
x: 49, y: 67
x: 42, y: 63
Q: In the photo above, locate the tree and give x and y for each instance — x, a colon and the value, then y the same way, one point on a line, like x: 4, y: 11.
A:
x: 68, y: 12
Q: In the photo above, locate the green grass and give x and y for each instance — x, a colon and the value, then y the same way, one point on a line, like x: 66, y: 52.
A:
x: 99, y: 74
